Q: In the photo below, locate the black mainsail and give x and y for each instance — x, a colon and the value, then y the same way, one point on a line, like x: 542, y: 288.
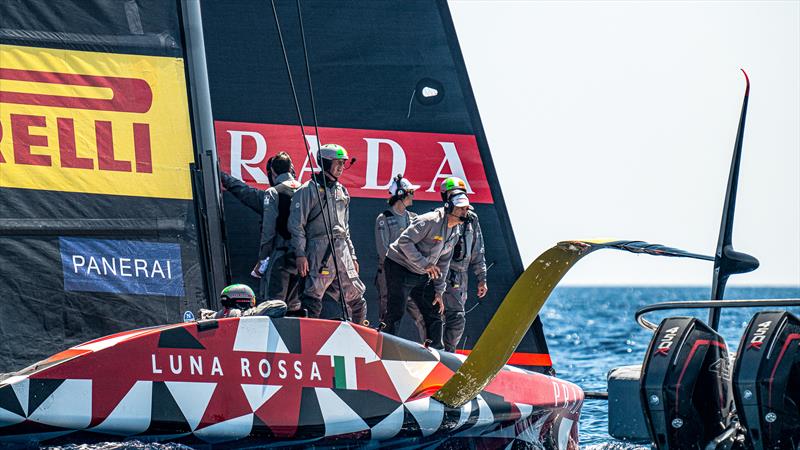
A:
x: 389, y: 84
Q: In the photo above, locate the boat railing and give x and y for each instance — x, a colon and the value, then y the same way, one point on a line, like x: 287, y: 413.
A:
x: 703, y: 304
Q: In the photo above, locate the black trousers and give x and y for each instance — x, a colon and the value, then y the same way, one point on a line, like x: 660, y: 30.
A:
x: 454, y: 324
x: 402, y: 284
x: 283, y: 282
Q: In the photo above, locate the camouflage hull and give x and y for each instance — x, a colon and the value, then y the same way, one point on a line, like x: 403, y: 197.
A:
x: 285, y: 381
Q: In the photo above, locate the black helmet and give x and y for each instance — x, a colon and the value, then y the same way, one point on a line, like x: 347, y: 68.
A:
x: 238, y: 296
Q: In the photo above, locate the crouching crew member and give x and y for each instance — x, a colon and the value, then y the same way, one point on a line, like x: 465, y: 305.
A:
x: 419, y: 260
x: 235, y: 299
x: 468, y: 254
x: 388, y: 226
x: 315, y: 260
x: 281, y: 273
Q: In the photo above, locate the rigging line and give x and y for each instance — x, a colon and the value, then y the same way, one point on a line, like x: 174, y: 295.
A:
x: 316, y: 131
x: 411, y: 102
x: 325, y: 218
x: 473, y: 307
x: 308, y: 71
x: 479, y: 301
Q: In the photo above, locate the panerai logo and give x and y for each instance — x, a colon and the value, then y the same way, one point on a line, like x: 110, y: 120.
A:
x: 132, y: 267
x: 124, y: 267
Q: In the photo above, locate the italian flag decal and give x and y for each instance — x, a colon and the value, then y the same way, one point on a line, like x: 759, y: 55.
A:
x: 344, y: 372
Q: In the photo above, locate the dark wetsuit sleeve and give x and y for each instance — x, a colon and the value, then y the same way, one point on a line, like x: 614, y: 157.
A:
x: 251, y: 197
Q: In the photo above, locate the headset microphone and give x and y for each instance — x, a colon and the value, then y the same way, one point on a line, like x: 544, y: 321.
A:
x: 350, y: 164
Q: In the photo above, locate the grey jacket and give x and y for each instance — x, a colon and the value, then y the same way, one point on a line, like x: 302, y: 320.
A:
x: 473, y: 256
x: 270, y: 239
x: 306, y: 221
x: 426, y: 241
x: 388, y: 226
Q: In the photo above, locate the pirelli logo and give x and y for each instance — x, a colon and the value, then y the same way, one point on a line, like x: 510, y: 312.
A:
x: 94, y: 122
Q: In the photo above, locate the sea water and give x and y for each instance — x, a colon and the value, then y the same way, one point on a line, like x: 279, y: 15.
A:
x: 591, y: 330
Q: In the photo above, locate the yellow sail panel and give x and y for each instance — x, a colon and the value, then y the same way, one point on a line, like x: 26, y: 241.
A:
x: 99, y: 123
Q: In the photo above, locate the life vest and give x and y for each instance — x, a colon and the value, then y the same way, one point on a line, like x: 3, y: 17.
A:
x: 285, y: 191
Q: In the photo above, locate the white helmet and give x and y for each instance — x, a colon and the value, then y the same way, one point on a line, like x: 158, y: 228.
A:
x: 400, y: 187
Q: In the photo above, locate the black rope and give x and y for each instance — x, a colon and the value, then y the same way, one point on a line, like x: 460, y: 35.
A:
x: 316, y: 131
x: 479, y: 301
x: 308, y: 72
x: 325, y: 218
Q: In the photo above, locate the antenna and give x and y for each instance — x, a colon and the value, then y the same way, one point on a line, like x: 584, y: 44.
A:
x: 728, y: 261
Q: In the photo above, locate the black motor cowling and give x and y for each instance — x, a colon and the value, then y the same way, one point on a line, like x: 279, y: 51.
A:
x: 766, y: 381
x: 686, y: 385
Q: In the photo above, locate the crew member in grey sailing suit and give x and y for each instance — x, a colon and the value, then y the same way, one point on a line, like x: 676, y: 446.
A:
x: 281, y: 274
x: 388, y: 226
x: 417, y: 263
x: 468, y: 254
x: 315, y: 261
x: 267, y: 205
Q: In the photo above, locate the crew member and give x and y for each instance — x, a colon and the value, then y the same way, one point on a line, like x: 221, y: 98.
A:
x: 419, y: 260
x: 281, y: 274
x: 235, y: 299
x: 320, y: 201
x: 468, y: 254
x: 254, y: 199
x: 388, y: 226
x: 278, y: 279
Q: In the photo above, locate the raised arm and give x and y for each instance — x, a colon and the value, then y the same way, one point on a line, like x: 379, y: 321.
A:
x: 251, y: 197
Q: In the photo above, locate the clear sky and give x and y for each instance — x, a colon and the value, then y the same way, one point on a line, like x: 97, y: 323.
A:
x: 618, y: 119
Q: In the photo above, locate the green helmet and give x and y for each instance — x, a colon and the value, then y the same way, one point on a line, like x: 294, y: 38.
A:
x: 450, y: 185
x: 238, y: 296
x: 332, y: 152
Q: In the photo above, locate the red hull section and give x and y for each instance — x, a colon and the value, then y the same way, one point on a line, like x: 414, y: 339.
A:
x: 276, y: 380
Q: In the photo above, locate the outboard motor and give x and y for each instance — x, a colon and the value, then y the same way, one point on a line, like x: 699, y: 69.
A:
x: 766, y: 381
x: 686, y: 385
